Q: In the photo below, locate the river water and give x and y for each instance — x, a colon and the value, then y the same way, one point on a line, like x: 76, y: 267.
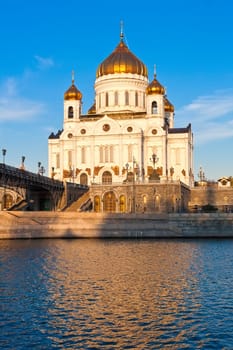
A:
x: 116, y: 294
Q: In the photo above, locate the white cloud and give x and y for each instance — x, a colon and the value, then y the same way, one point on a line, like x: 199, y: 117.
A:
x: 11, y: 86
x: 18, y: 109
x: 211, y: 116
x: 44, y: 62
x: 14, y: 107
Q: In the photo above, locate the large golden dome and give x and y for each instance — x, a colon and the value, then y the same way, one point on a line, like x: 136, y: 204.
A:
x: 121, y: 60
x: 155, y: 87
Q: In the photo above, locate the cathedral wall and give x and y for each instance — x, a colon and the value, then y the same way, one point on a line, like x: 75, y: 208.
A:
x: 144, y: 198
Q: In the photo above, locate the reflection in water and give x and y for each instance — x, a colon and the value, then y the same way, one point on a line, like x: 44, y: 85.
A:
x: 116, y: 294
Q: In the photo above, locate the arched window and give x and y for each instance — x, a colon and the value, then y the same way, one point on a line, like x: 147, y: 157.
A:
x: 144, y: 203
x: 7, y: 200
x: 83, y: 179
x: 126, y: 98
x: 122, y: 204
x: 109, y: 202
x: 106, y: 99
x: 116, y: 98
x: 107, y: 178
x: 154, y: 108
x: 97, y: 204
x: 70, y: 112
x: 136, y: 99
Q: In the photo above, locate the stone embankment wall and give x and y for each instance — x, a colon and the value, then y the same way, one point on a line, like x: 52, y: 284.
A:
x: 14, y: 225
x: 220, y: 197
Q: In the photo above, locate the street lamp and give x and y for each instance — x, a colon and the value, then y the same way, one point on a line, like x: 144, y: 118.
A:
x: 154, y: 159
x: 172, y: 172
x: 134, y: 199
x: 4, y: 187
x: 201, y: 175
x: 127, y: 169
x: 39, y: 164
x: 53, y: 173
x: 22, y: 167
x: 41, y: 169
x: 131, y: 180
x: 3, y: 155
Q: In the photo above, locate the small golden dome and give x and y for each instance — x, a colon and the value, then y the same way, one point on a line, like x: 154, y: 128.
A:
x: 168, y: 107
x: 155, y: 87
x: 72, y: 93
x: 121, y: 60
x: 92, y: 110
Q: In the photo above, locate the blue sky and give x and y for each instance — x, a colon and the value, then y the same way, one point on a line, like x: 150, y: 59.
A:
x: 42, y: 41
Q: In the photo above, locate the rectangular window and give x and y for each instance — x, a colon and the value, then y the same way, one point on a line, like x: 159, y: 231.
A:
x: 130, y: 153
x: 106, y: 154
x: 111, y: 154
x: 57, y: 160
x: 126, y: 98
x: 70, y: 161
x: 101, y: 154
x: 83, y: 155
x: 116, y: 98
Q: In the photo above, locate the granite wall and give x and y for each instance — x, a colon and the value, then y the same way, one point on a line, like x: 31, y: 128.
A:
x: 99, y: 225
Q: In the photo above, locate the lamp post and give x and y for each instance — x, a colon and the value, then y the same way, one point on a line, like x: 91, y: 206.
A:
x: 127, y: 169
x: 154, y: 159
x: 53, y: 173
x: 3, y: 155
x: 172, y: 172
x: 41, y: 169
x: 4, y: 188
x: 39, y: 164
x: 134, y: 206
x: 22, y: 167
x: 201, y: 175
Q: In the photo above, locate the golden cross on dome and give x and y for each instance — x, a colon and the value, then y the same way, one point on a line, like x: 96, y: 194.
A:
x: 122, y: 31
x: 154, y: 70
x: 72, y: 77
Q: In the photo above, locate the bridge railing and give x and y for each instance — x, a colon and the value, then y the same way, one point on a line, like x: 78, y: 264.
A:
x: 29, y: 177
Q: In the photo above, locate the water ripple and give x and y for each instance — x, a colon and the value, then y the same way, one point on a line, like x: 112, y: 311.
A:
x: 108, y: 294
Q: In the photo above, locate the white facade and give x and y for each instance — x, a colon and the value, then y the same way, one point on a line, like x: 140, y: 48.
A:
x: 129, y: 129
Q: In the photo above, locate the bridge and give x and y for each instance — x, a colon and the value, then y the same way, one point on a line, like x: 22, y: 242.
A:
x: 23, y: 190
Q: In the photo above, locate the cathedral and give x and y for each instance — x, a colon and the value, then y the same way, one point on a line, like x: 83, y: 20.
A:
x: 126, y: 140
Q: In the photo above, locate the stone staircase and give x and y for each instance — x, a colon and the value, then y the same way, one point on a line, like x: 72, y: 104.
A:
x: 81, y: 204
